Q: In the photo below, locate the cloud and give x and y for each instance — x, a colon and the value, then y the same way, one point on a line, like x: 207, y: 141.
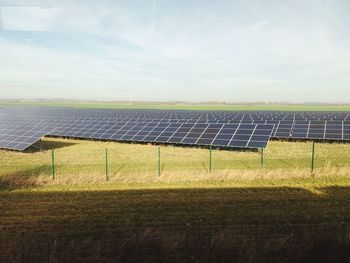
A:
x: 28, y: 18
x: 177, y: 50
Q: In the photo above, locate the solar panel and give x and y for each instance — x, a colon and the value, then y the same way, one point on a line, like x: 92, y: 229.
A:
x: 260, y: 136
x: 19, y: 135
x: 301, y: 129
x: 284, y: 129
x: 21, y: 126
x: 316, y: 129
x: 334, y: 130
x: 346, y: 130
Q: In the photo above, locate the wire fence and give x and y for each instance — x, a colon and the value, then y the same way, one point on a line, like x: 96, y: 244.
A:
x: 96, y: 161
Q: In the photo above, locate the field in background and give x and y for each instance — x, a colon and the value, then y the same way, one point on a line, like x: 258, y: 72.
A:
x: 271, y: 214
x: 174, y: 106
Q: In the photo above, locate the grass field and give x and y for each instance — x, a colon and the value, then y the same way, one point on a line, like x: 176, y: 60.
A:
x: 264, y: 213
x: 83, y: 162
x: 176, y: 106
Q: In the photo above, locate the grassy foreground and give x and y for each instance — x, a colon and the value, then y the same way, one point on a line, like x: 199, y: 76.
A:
x: 239, y: 210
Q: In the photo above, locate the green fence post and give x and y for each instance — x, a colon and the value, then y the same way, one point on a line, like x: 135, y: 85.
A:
x: 210, y: 158
x: 53, y: 164
x: 262, y: 157
x: 106, y: 156
x: 313, y: 159
x: 158, y: 160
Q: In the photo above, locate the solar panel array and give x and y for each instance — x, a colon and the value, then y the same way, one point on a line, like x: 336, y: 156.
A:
x: 20, y: 127
x: 134, y: 126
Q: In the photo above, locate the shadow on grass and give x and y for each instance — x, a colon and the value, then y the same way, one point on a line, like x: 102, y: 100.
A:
x: 23, y: 178
x: 274, y: 224
x: 45, y: 145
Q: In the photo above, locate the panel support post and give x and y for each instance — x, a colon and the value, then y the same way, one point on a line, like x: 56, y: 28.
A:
x: 53, y: 163
x: 262, y: 157
x: 313, y: 159
x: 106, y: 158
x: 159, y: 161
x: 210, y: 158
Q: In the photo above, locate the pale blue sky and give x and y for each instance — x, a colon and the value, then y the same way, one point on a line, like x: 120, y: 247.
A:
x: 152, y: 50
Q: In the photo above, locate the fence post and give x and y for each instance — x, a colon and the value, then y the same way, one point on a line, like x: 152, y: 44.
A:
x: 210, y: 158
x: 53, y: 163
x: 262, y: 157
x: 159, y: 161
x: 313, y: 159
x: 106, y: 156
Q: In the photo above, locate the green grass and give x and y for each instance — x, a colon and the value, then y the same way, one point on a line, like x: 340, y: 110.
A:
x: 80, y: 206
x: 83, y: 162
x: 175, y: 106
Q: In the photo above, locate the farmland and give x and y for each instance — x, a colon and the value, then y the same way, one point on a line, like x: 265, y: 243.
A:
x: 181, y: 106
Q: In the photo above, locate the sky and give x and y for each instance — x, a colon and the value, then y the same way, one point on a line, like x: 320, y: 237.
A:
x: 176, y: 50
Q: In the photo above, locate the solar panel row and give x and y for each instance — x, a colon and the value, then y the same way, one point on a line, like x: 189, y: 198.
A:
x: 20, y: 131
x: 221, y: 116
x: 20, y: 127
x: 324, y: 130
x: 224, y: 135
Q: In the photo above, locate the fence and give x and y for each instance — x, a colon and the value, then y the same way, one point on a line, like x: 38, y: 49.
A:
x: 103, y: 161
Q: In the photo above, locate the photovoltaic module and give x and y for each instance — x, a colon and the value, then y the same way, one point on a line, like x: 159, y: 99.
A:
x: 21, y: 127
